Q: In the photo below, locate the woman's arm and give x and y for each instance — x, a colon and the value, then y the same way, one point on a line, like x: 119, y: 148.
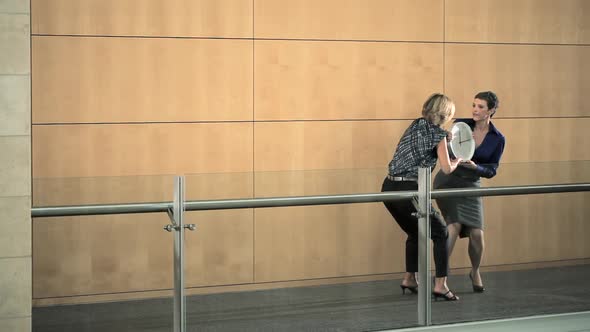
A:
x: 488, y: 169
x: 446, y: 164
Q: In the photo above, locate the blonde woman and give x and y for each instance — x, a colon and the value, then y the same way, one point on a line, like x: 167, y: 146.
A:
x: 422, y: 145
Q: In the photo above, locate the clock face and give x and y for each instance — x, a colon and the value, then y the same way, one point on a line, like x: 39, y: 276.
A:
x: 462, y: 145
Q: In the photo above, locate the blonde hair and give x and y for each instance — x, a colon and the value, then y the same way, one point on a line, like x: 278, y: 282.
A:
x: 438, y: 109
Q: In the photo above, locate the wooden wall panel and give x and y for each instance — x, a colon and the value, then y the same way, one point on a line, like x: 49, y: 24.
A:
x: 547, y: 172
x: 325, y: 145
x: 329, y: 241
x: 80, y: 83
x: 130, y: 189
x: 522, y: 21
x: 513, y: 235
x: 141, y: 149
x: 319, y: 182
x: 405, y: 20
x: 544, y: 140
x: 515, y: 224
x: 188, y: 18
x: 71, y: 257
x: 140, y: 80
x: 530, y: 80
x: 221, y: 250
x: 344, y: 80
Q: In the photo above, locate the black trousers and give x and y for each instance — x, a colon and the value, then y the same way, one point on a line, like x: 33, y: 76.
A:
x: 402, y: 213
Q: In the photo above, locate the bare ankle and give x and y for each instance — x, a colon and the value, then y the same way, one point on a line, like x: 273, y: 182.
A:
x: 409, y: 279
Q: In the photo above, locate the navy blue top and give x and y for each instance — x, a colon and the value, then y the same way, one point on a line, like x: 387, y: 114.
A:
x: 487, y: 155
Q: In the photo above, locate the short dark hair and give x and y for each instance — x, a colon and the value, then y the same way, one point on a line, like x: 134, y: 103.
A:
x: 490, y: 98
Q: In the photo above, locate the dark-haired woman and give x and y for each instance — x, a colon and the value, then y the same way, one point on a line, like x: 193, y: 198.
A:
x: 464, y: 215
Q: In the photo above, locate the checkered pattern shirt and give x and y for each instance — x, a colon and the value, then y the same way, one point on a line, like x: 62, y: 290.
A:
x: 416, y: 148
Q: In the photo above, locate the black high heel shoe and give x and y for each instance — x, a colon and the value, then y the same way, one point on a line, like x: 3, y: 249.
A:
x: 448, y: 296
x: 476, y: 288
x: 412, y: 289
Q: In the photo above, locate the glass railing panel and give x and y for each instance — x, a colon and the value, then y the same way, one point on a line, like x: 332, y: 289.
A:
x: 334, y: 267
x: 540, y: 173
x: 318, y: 182
x: 106, y: 272
x: 207, y: 186
x: 102, y: 190
x: 536, y: 258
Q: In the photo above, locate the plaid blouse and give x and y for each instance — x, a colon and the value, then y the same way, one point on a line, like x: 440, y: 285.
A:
x: 416, y: 148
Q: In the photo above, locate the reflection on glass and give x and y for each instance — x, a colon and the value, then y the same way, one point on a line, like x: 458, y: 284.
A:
x: 102, y: 266
x: 539, y: 173
x: 299, y: 268
x: 206, y: 186
x: 319, y: 182
x: 535, y: 259
x: 102, y: 190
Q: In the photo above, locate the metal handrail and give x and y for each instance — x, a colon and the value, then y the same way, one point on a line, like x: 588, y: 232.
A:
x: 176, y: 210
x: 99, y: 209
x: 226, y: 204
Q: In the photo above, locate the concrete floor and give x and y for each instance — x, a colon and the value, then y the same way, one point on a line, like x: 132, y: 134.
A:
x: 367, y: 306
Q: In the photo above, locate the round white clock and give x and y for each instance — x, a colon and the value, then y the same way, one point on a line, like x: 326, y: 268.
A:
x: 462, y: 145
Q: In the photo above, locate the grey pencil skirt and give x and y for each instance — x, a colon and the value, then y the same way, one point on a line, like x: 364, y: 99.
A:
x: 467, y: 211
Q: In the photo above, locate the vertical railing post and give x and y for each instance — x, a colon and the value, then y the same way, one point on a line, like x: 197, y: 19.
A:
x: 424, y: 288
x: 178, y: 221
